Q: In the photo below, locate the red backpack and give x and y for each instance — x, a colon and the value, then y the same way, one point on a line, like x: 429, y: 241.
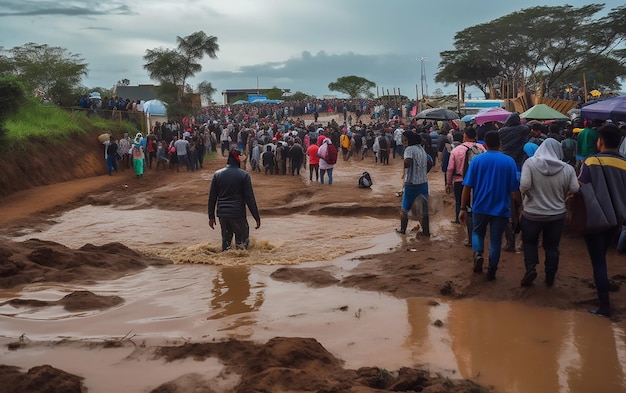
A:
x: 331, y: 154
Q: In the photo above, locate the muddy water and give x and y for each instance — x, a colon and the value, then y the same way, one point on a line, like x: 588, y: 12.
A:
x: 513, y: 347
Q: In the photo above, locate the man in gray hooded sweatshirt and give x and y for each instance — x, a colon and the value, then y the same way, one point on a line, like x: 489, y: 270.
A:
x: 546, y: 180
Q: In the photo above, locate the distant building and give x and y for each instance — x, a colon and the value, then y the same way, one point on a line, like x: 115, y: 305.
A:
x: 133, y: 93
x: 231, y: 95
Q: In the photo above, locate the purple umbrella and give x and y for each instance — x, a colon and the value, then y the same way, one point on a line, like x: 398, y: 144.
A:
x: 492, y: 114
x: 612, y: 108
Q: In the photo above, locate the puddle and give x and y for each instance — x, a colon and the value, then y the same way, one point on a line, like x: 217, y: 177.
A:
x: 513, y: 347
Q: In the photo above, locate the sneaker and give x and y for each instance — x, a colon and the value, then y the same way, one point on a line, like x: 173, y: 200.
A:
x: 529, y: 277
x: 549, y: 280
x: 478, y: 263
x: 401, y: 231
x: 491, y: 273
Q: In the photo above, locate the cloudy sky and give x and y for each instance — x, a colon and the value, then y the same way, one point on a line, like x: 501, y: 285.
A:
x: 300, y: 45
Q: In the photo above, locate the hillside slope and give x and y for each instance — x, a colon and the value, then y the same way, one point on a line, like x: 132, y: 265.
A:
x: 39, y: 162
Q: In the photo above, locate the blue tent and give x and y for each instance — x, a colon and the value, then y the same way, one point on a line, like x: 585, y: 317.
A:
x: 155, y: 107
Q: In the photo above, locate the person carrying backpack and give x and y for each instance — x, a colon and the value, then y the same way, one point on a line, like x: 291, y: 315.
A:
x: 458, y: 162
x: 569, y: 148
x: 327, y: 153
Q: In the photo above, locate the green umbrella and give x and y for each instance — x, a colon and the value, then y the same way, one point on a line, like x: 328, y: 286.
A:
x: 543, y: 112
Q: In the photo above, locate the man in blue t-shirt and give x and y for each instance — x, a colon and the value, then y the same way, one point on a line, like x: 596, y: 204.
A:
x: 492, y: 181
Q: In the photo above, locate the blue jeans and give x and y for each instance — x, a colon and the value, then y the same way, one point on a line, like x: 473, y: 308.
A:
x: 398, y: 149
x: 330, y: 175
x: 496, y: 229
x: 551, y: 237
x: 112, y: 164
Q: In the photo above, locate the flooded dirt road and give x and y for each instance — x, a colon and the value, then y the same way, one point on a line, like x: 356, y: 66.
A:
x: 326, y: 264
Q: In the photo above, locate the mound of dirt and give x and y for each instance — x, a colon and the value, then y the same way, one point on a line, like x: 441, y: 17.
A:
x: 75, y: 301
x: 38, y: 379
x: 302, y: 365
x: 42, y: 261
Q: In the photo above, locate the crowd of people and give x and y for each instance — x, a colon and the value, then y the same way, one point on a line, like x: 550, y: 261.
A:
x: 519, y: 181
x: 523, y: 182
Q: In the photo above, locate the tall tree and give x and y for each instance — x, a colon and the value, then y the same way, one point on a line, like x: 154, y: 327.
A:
x: 49, y: 69
x: 353, y: 86
x: 550, y: 45
x: 193, y: 48
x: 206, y: 89
x: 175, y: 66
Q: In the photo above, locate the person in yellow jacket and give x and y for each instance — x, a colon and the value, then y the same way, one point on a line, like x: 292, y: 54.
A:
x: 346, y: 148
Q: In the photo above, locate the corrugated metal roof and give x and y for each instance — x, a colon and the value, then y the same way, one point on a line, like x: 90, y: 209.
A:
x: 141, y: 92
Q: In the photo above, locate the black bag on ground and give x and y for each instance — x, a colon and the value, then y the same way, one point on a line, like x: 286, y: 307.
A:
x: 365, y: 181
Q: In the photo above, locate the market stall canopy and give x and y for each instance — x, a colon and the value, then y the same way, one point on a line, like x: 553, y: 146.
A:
x: 612, y: 108
x: 468, y: 118
x: 491, y: 114
x: 155, y: 107
x: 437, y: 114
x: 543, y: 112
x: 265, y: 101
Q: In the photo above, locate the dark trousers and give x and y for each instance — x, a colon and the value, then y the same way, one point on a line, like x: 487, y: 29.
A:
x: 597, y: 246
x: 237, y: 226
x: 314, y: 168
x: 551, y: 231
x: 458, y: 191
x: 112, y: 163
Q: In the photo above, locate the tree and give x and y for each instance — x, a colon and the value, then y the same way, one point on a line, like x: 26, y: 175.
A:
x: 299, y: 96
x: 274, y: 93
x: 164, y: 65
x: 353, y: 86
x: 51, y: 70
x: 466, y: 68
x: 206, y: 89
x: 175, y: 66
x: 551, y: 45
x: 193, y: 48
x: 12, y: 96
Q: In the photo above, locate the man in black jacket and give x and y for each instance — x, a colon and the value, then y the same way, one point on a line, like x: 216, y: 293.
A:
x: 606, y: 171
x: 231, y: 190
x: 514, y: 135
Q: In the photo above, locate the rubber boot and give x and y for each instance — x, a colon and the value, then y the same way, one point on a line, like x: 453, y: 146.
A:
x: 425, y: 218
x: 605, y: 305
x: 404, y: 223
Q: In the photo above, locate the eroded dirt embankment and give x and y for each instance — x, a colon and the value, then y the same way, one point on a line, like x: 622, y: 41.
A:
x: 39, y: 162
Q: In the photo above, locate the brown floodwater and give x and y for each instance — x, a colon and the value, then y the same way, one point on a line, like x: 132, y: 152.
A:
x: 514, y: 347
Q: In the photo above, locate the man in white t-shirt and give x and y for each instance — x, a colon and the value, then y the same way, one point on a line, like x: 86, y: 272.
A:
x: 397, y: 137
